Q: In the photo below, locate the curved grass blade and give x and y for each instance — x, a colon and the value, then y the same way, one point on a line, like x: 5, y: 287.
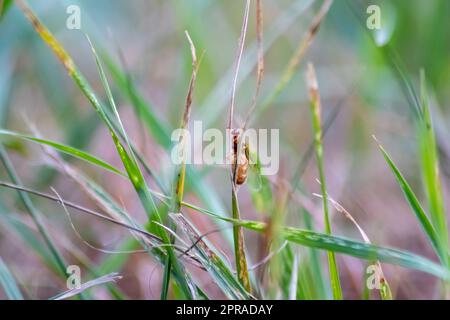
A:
x: 365, y: 251
x: 65, y: 149
x: 112, y: 277
x: 34, y: 213
x: 415, y: 205
x: 8, y: 283
x: 385, y: 290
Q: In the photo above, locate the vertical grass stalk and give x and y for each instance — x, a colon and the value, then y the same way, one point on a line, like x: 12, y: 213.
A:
x: 238, y: 233
x: 317, y: 131
x: 181, y: 169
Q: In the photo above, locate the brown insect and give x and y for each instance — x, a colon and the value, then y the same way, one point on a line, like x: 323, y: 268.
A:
x: 242, y: 161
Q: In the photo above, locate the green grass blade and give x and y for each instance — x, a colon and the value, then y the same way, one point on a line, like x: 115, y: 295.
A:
x: 160, y: 131
x: 8, y: 283
x: 364, y: 251
x: 29, y: 238
x: 133, y: 171
x: 65, y: 149
x: 430, y: 169
x: 415, y: 205
x: 34, y: 213
x: 314, y: 257
x: 317, y: 131
x: 239, y: 246
x: 180, y: 170
x: 4, y: 7
x: 343, y: 245
x: 217, y: 268
x: 289, y: 271
x: 385, y: 291
x: 136, y: 176
x: 157, y: 127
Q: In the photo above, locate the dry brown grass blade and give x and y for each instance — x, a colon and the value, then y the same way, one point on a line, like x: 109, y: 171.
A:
x: 260, y: 67
x: 339, y: 208
x: 179, y: 190
x: 62, y: 55
x: 195, y: 65
x: 300, y: 52
x: 259, y: 38
x: 181, y: 169
x: 240, y: 49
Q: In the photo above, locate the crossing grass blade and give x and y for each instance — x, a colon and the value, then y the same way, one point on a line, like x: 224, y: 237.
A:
x: 212, y: 262
x: 105, y: 279
x: 185, y: 282
x: 317, y: 131
x: 114, y: 263
x: 34, y: 213
x: 161, y: 133
x: 28, y: 237
x: 333, y: 243
x: 8, y: 283
x: 129, y: 162
x: 215, y: 102
x: 343, y: 245
x: 385, y: 289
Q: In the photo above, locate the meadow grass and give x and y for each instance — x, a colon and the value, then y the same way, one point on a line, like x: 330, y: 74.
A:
x: 169, y: 236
